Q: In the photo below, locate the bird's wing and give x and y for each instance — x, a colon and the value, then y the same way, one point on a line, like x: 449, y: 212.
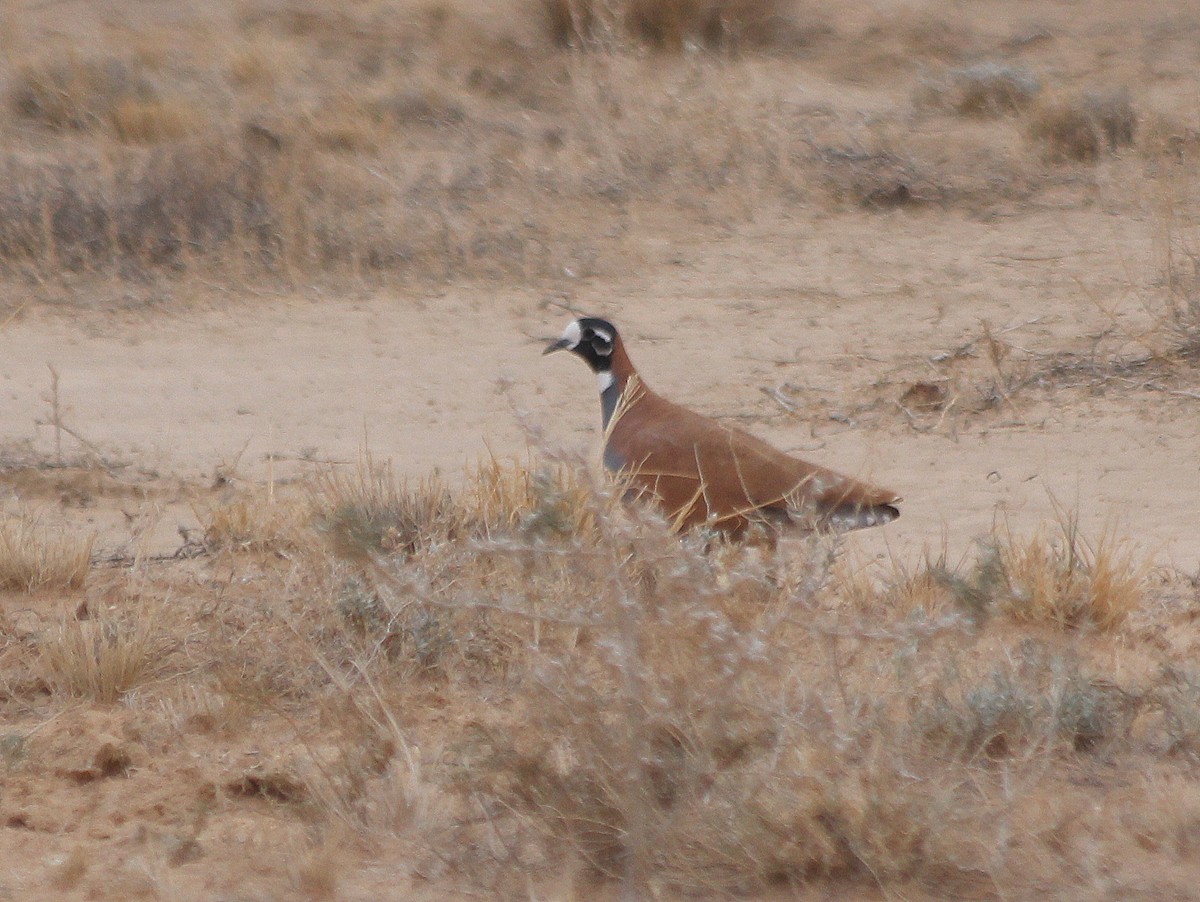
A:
x: 692, y: 461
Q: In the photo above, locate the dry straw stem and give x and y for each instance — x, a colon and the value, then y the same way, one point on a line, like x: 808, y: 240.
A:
x: 103, y: 658
x: 1176, y: 311
x: 374, y: 783
x: 35, y: 556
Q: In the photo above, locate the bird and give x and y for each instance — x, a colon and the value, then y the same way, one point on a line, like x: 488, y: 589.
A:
x: 702, y: 472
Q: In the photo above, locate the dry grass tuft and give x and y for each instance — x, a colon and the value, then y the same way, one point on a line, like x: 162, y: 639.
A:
x: 255, y: 524
x: 472, y: 536
x: 1081, y: 129
x: 672, y: 24
x: 369, y: 511
x: 34, y: 556
x: 101, y: 94
x: 140, y: 210
x: 1064, y: 579
x: 155, y: 121
x: 1177, y: 309
x: 1026, y: 704
x: 985, y: 90
x: 1061, y: 579
x: 75, y: 93
x: 103, y: 658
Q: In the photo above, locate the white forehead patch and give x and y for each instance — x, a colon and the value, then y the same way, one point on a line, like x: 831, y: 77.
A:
x: 572, y: 334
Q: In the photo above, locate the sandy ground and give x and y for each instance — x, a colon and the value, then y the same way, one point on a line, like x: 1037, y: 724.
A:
x: 840, y: 321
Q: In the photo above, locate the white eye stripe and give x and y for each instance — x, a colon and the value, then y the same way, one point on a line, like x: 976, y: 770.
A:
x: 602, y: 335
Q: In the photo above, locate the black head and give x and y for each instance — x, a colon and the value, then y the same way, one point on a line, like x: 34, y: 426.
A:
x: 592, y: 339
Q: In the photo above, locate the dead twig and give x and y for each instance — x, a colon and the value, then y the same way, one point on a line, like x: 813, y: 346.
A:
x: 777, y: 395
x: 967, y: 348
x: 912, y: 418
x: 56, y: 420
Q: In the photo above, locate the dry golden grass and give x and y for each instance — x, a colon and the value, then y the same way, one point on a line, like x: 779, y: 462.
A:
x: 673, y: 24
x: 76, y: 93
x: 36, y: 556
x: 154, y: 121
x: 984, y: 90
x: 691, y: 719
x: 368, y: 510
x: 255, y: 524
x: 1054, y: 576
x: 103, y: 658
x: 518, y: 671
x: 684, y: 739
x: 1082, y: 128
x: 493, y: 680
x: 328, y: 158
x: 1062, y: 579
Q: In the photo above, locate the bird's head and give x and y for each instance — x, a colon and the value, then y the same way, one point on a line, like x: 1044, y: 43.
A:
x: 591, y: 338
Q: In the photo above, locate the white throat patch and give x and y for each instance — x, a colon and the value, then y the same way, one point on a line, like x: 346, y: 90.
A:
x: 605, y: 379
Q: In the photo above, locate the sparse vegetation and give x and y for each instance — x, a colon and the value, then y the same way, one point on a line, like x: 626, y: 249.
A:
x: 102, y: 658
x: 983, y: 90
x: 366, y: 681
x: 1082, y: 128
x: 673, y: 25
x: 368, y: 510
x: 75, y: 93
x: 35, y: 555
x: 1176, y: 310
x: 704, y: 720
x: 1062, y: 579
x: 409, y: 165
x: 254, y: 524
